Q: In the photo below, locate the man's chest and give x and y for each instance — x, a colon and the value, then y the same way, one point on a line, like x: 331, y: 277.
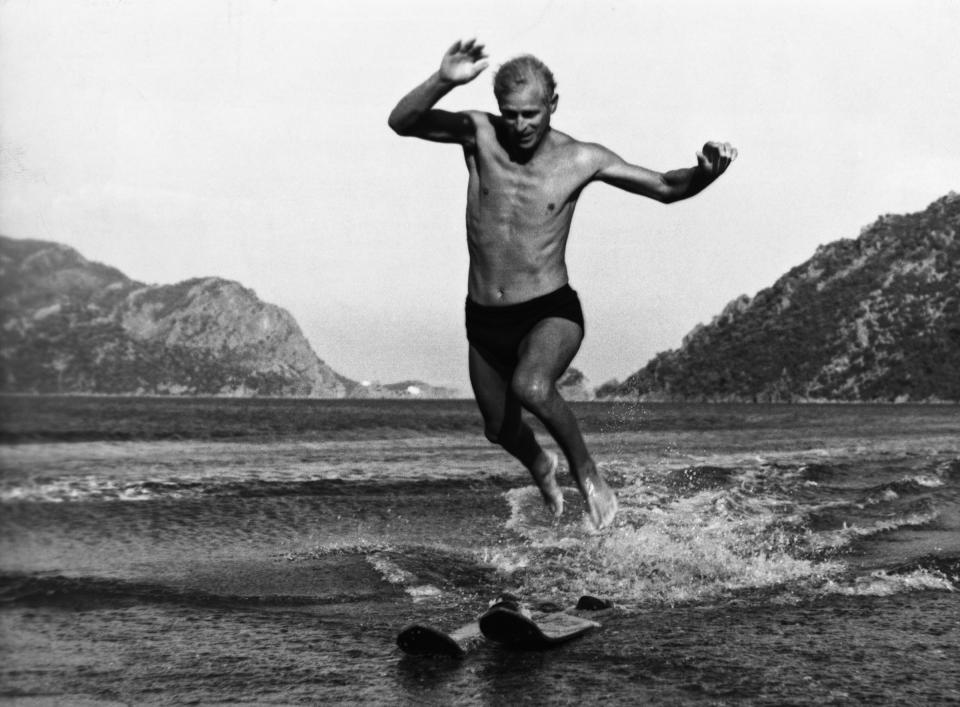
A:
x: 546, y: 183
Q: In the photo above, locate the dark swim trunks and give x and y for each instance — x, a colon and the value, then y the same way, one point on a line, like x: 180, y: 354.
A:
x: 496, y: 331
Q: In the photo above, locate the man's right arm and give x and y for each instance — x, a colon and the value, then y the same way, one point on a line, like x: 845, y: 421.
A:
x: 415, y: 115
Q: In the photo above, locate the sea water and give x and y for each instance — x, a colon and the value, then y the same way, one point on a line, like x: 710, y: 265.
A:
x: 267, y: 552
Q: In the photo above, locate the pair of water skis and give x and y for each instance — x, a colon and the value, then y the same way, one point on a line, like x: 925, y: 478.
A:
x: 510, y: 623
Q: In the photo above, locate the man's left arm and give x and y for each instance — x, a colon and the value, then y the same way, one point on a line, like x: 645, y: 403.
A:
x: 666, y: 187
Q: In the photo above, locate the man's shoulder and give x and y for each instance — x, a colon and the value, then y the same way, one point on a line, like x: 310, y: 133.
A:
x: 579, y: 151
x: 480, y: 118
x: 484, y: 125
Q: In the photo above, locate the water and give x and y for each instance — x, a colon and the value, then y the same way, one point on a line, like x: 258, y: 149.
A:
x: 267, y: 552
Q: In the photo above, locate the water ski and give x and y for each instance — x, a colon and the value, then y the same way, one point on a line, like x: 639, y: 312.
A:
x: 424, y: 639
x: 534, y: 630
x: 507, y: 622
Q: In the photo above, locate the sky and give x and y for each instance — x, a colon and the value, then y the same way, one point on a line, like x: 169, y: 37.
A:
x: 248, y: 140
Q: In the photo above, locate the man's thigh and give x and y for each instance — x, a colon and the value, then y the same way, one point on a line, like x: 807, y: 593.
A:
x: 549, y: 348
x: 492, y: 391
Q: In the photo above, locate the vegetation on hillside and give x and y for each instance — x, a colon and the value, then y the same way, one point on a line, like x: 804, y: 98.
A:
x: 876, y: 318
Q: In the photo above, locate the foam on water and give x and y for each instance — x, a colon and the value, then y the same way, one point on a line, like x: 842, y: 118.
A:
x: 92, y: 488
x: 881, y: 583
x: 143, y: 470
x: 396, y: 575
x: 696, y: 533
x: 836, y: 539
x: 710, y: 543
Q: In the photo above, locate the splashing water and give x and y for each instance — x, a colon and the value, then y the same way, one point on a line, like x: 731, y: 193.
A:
x: 686, y: 534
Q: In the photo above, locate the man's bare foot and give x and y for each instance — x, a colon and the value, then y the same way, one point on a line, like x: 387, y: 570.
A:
x: 547, y: 482
x: 601, y: 502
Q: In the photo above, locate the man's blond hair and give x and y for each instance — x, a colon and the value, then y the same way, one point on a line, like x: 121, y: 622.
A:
x: 518, y: 72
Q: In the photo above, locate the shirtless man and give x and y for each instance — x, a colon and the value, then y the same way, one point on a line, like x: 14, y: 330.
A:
x: 524, y: 322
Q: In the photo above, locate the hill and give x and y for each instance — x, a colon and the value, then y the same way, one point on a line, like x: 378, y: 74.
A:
x: 876, y: 318
x: 70, y: 325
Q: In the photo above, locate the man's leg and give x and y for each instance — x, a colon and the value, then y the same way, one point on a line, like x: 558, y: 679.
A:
x: 545, y: 354
x: 504, y: 425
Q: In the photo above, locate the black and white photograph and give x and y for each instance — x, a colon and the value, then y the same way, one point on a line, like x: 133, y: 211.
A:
x: 548, y: 352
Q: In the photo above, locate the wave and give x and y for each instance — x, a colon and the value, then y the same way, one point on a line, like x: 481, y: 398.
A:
x: 909, y: 486
x: 819, y: 473
x: 94, y: 591
x: 842, y: 537
x: 83, y: 419
x: 91, y: 488
x: 693, y: 548
x: 949, y: 470
x: 334, y: 573
x: 921, y: 574
x: 708, y: 531
x: 730, y: 524
x: 396, y: 575
x: 946, y: 566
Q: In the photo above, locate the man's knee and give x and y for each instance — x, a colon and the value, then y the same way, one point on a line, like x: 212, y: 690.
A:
x: 532, y: 390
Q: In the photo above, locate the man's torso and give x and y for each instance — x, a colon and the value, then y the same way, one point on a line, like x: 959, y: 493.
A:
x: 519, y: 215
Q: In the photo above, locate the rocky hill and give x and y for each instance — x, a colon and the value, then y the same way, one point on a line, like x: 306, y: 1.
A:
x: 74, y: 326
x: 876, y: 318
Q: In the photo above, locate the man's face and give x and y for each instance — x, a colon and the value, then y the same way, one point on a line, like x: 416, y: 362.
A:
x: 526, y: 113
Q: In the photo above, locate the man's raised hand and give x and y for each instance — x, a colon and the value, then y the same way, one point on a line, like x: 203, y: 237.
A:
x: 715, y: 157
x: 463, y: 62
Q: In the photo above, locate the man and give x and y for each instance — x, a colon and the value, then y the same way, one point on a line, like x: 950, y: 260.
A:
x: 524, y: 322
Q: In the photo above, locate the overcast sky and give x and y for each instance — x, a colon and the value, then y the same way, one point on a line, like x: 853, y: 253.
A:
x: 248, y: 140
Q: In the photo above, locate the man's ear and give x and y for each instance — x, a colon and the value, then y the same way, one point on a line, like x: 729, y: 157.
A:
x: 553, y: 103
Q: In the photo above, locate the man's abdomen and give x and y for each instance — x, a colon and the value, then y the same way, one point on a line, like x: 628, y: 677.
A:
x: 508, y: 268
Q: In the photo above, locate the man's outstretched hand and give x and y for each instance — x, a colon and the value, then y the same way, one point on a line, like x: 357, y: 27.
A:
x: 463, y: 62
x: 715, y: 157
